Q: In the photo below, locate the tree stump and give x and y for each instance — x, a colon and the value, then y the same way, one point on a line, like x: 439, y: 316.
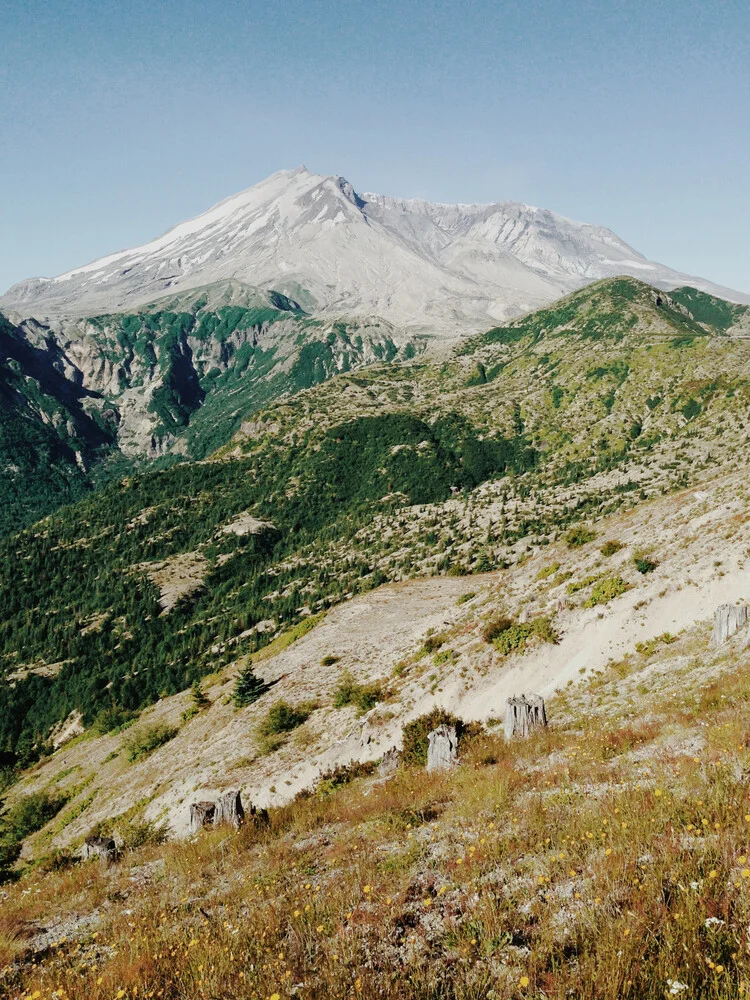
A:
x: 389, y: 762
x: 228, y: 809
x: 259, y: 817
x: 103, y: 848
x: 523, y: 715
x: 728, y: 619
x: 201, y: 814
x: 442, y: 748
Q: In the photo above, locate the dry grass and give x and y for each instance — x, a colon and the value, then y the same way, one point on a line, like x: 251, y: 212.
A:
x: 605, y: 858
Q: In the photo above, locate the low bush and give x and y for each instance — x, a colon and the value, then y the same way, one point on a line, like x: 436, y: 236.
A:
x: 578, y: 536
x: 145, y: 741
x: 516, y: 635
x: 349, y: 692
x: 283, y: 718
x: 547, y: 571
x: 29, y: 814
x: 495, y: 627
x: 643, y: 564
x: 113, y: 720
x: 432, y: 644
x: 468, y: 596
x: 328, y: 661
x: 342, y: 774
x: 605, y: 590
x: 611, y: 547
x: 414, y: 735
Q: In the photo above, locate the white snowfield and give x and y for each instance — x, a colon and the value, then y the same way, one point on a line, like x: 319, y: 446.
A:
x: 445, y: 269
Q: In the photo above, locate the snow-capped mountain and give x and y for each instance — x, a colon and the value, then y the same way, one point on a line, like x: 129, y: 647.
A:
x: 448, y: 269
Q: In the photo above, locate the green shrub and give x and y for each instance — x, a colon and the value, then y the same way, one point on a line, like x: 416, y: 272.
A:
x: 517, y: 634
x: 142, y: 833
x: 495, y: 627
x: 112, y: 720
x: 577, y: 585
x: 547, y: 571
x: 145, y: 741
x: 28, y: 815
x: 579, y: 536
x: 247, y: 687
x: 283, y: 718
x: 468, y: 596
x: 328, y: 661
x: 605, y: 590
x: 349, y: 692
x: 643, y: 564
x: 609, y: 548
x: 444, y: 656
x: 432, y: 644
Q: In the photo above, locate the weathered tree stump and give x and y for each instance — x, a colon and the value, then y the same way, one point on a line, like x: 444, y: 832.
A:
x: 228, y: 809
x: 728, y: 619
x: 201, y: 814
x: 442, y: 748
x: 103, y: 848
x: 523, y: 715
x: 259, y: 817
x: 389, y: 762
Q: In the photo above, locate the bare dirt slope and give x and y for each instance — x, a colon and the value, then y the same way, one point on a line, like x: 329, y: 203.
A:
x: 695, y: 542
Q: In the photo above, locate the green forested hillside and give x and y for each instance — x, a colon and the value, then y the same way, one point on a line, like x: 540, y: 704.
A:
x: 174, y: 380
x: 614, y: 393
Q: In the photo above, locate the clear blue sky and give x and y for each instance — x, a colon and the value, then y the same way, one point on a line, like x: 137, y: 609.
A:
x: 119, y: 119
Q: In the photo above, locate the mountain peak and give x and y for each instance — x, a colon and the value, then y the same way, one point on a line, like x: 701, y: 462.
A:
x: 446, y: 269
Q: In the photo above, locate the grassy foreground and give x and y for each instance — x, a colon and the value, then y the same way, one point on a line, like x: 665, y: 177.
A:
x: 608, y: 857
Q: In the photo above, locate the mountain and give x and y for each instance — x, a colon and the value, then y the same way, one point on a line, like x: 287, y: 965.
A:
x: 616, y: 394
x: 557, y: 506
x: 445, y: 269
x: 175, y: 378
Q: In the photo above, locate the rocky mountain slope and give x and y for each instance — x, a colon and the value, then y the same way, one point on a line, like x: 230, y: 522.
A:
x: 176, y: 378
x: 457, y: 465
x: 447, y: 269
x: 605, y: 857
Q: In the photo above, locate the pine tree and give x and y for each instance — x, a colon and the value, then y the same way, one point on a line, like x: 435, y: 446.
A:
x: 247, y: 687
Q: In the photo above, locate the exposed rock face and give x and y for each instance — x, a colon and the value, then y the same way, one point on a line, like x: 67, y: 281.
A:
x: 103, y: 848
x: 442, y: 748
x: 523, y: 715
x: 201, y: 814
x: 728, y: 619
x: 229, y: 809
